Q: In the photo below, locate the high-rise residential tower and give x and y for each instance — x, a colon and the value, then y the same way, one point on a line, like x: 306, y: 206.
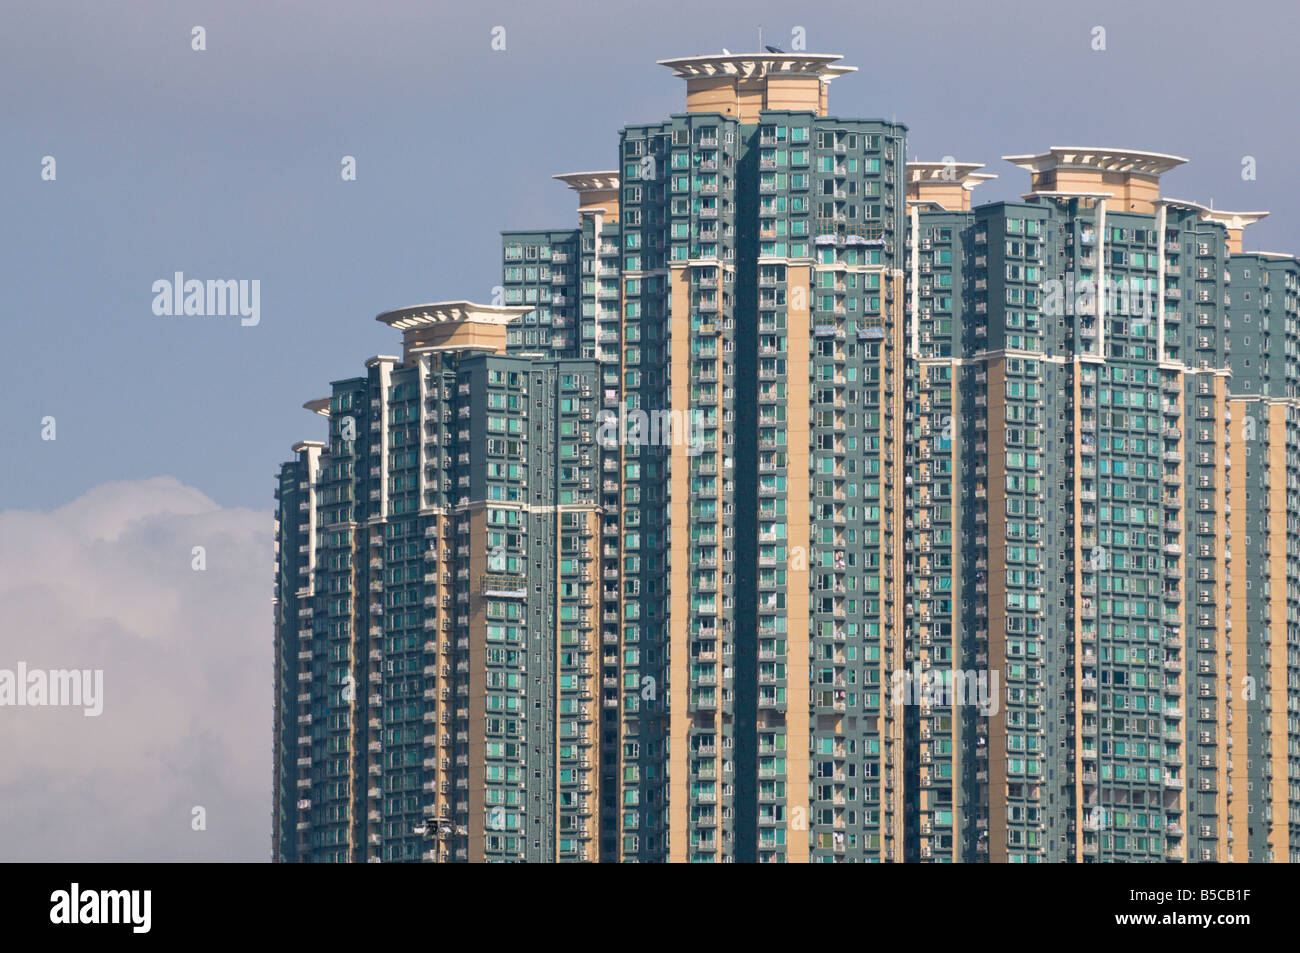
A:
x: 1264, y: 491
x: 436, y: 600
x: 788, y: 506
x: 1098, y: 347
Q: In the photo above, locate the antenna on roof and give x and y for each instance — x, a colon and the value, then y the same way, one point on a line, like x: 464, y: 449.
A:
x: 726, y: 52
x: 760, y: 37
x: 773, y: 49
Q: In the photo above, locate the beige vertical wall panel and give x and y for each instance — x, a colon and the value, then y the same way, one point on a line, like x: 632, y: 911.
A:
x: 1240, y: 642
x: 997, y: 534
x: 478, y: 549
x: 1080, y: 644
x: 1280, y: 691
x: 798, y: 610
x: 1222, y: 688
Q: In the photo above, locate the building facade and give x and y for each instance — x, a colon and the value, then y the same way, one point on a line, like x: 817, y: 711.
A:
x: 436, y: 606
x: 789, y: 507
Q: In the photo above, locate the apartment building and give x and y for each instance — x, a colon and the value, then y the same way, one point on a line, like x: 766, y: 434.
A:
x: 436, y: 600
x: 1265, y: 802
x: 1097, y: 358
x: 789, y: 506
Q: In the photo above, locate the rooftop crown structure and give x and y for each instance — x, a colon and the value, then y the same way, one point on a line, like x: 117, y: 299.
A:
x: 947, y: 185
x: 452, y: 326
x: 1132, y: 178
x: 742, y: 85
x: 597, y: 191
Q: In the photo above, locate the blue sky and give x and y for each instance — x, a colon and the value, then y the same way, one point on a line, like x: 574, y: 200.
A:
x: 225, y: 164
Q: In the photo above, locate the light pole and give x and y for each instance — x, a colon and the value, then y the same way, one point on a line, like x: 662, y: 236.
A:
x: 437, y: 830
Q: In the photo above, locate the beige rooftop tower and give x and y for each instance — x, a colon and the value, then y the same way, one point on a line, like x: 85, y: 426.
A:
x: 1128, y: 176
x: 945, y: 184
x: 743, y: 84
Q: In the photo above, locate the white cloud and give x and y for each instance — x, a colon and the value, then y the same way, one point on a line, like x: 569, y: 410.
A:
x: 105, y: 582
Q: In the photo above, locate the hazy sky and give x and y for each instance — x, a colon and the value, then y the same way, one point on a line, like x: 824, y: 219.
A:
x: 225, y: 163
x: 106, y: 583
